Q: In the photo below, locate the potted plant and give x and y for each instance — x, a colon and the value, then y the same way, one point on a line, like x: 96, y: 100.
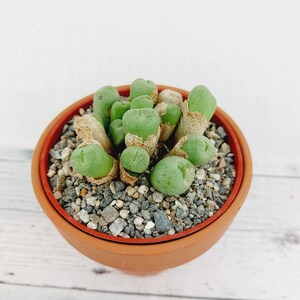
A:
x: 147, y: 139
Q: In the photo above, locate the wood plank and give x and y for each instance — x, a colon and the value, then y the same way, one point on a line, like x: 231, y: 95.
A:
x: 17, y: 292
x: 258, y: 258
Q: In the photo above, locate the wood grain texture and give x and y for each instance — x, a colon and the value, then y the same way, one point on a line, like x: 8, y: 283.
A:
x: 258, y: 258
x: 251, y: 65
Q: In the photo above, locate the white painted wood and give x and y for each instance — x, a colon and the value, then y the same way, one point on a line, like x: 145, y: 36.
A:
x: 247, y: 52
x: 13, y: 292
x: 258, y: 258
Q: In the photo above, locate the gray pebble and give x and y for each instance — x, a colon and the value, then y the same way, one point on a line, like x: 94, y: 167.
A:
x: 162, y: 223
x: 117, y: 226
x: 157, y: 197
x: 133, y: 208
x: 109, y: 213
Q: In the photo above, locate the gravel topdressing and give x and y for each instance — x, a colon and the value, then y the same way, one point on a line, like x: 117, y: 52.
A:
x: 140, y: 211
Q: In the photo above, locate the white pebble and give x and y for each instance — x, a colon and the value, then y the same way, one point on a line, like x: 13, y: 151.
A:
x: 91, y: 201
x: 210, y: 213
x: 84, y: 216
x: 215, y: 176
x: 57, y: 195
x: 112, y: 187
x: 66, y: 153
x: 124, y: 235
x: 157, y: 197
x: 143, y: 189
x: 66, y: 169
x: 124, y: 213
x: 200, y: 174
x: 51, y: 173
x: 171, y: 231
x: 91, y: 225
x: 112, y: 203
x: 130, y: 191
x: 149, y: 225
x: 147, y: 231
x: 119, y: 203
x: 60, y: 173
x: 138, y: 221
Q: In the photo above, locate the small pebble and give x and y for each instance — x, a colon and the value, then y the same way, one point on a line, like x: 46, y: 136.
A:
x: 51, y: 173
x: 143, y: 189
x: 92, y: 225
x: 109, y: 213
x: 124, y: 213
x: 162, y: 223
x: 200, y: 174
x: 57, y: 195
x: 117, y: 226
x: 133, y: 208
x: 91, y: 201
x: 119, y: 203
x: 130, y: 191
x: 157, y: 197
x: 138, y: 221
x: 149, y: 225
x: 84, y: 216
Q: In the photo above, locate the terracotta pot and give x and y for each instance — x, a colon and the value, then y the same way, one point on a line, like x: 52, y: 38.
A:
x: 141, y: 255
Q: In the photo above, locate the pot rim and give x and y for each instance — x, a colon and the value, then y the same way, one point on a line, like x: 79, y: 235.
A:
x: 61, y: 219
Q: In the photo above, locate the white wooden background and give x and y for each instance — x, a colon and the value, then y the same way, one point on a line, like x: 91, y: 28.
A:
x: 247, y: 52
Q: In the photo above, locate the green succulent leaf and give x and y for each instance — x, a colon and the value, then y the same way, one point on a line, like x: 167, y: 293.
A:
x: 116, y: 132
x: 92, y: 161
x: 141, y: 122
x: 173, y: 175
x: 103, y: 100
x: 201, y: 100
x: 141, y: 87
x: 143, y: 101
x: 135, y: 159
x: 200, y: 149
x: 118, y: 110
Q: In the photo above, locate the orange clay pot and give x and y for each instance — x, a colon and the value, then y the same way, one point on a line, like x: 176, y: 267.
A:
x: 141, y: 256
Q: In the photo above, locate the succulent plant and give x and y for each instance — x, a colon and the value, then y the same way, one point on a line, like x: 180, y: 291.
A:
x: 103, y: 100
x: 173, y: 175
x: 170, y: 96
x: 198, y: 149
x: 116, y: 132
x: 135, y: 159
x: 196, y: 112
x: 143, y: 101
x: 140, y: 87
x: 92, y: 161
x: 140, y: 126
x: 118, y: 109
x: 170, y: 114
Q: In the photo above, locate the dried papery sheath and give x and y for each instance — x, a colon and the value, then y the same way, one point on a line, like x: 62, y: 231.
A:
x: 169, y: 96
x: 87, y: 127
